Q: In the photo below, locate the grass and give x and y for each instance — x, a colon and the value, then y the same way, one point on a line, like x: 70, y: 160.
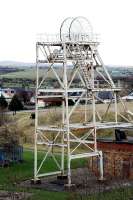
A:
x: 19, y: 172
x: 23, y: 171
x: 24, y: 74
x: 46, y: 195
x: 30, y: 73
x: 24, y: 126
x: 115, y: 194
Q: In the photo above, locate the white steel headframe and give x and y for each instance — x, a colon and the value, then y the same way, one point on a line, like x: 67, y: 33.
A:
x: 86, y: 64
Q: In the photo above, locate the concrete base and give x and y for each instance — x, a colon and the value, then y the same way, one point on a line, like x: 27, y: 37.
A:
x: 62, y: 177
x: 70, y: 187
x: 35, y: 181
x: 101, y: 180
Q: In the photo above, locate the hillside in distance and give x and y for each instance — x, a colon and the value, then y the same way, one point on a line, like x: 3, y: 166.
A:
x: 7, y: 67
x: 12, y: 69
x: 15, y: 64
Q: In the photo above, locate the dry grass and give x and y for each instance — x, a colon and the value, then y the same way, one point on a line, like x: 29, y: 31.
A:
x: 23, y: 127
x: 18, y: 128
x: 51, y: 117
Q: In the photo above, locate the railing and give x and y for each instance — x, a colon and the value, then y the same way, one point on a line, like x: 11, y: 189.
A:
x: 44, y: 37
x: 66, y: 38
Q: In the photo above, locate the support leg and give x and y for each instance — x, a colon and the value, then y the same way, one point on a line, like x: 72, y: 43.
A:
x: 101, y: 165
x: 62, y: 157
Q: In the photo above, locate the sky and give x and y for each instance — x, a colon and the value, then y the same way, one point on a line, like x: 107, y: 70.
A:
x: 22, y: 20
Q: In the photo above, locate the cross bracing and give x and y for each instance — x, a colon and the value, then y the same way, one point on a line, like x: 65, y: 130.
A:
x: 85, y: 62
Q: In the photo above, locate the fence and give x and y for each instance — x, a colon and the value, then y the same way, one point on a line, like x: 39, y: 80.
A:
x: 11, y: 153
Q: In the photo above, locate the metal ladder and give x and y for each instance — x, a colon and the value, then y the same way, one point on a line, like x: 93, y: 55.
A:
x: 84, y: 69
x: 86, y: 75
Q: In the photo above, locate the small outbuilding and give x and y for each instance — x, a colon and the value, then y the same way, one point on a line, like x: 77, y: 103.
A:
x: 117, y: 157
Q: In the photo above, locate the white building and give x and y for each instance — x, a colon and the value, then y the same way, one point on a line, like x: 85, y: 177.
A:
x: 7, y: 93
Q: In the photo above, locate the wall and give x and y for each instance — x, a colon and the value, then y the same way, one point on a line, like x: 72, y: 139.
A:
x: 117, y: 159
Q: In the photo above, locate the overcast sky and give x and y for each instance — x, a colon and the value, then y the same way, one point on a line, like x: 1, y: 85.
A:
x: 21, y: 20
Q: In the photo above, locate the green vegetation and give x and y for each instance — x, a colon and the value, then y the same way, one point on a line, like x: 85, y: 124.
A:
x: 24, y: 171
x: 3, y: 103
x: 15, y: 104
x: 30, y: 73
x: 114, y: 194
x: 48, y: 195
x: 16, y: 173
x: 23, y: 127
x: 27, y: 73
x: 26, y: 77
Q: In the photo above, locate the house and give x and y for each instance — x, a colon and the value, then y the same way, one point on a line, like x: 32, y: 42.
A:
x: 41, y: 103
x: 8, y: 93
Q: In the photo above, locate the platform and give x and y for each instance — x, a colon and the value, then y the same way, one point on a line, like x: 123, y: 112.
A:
x: 98, y: 125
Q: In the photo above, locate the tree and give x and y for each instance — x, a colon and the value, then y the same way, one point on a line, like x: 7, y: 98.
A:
x: 3, y: 106
x: 15, y: 104
x: 3, y: 103
x: 24, y: 96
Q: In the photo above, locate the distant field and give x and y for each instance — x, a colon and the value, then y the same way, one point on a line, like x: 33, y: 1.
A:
x: 27, y: 74
x: 31, y: 74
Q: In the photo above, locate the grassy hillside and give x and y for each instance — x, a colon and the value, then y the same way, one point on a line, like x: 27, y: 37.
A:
x: 31, y: 73
x: 25, y: 74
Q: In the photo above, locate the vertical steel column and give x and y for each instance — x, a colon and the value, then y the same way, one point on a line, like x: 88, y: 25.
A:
x: 94, y: 120
x: 36, y: 115
x: 62, y: 141
x: 86, y: 107
x: 93, y: 105
x: 116, y: 108
x: 67, y: 115
x: 63, y: 122
x: 101, y: 164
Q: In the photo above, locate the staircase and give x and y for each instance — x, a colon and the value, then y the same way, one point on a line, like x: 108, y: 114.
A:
x: 86, y: 74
